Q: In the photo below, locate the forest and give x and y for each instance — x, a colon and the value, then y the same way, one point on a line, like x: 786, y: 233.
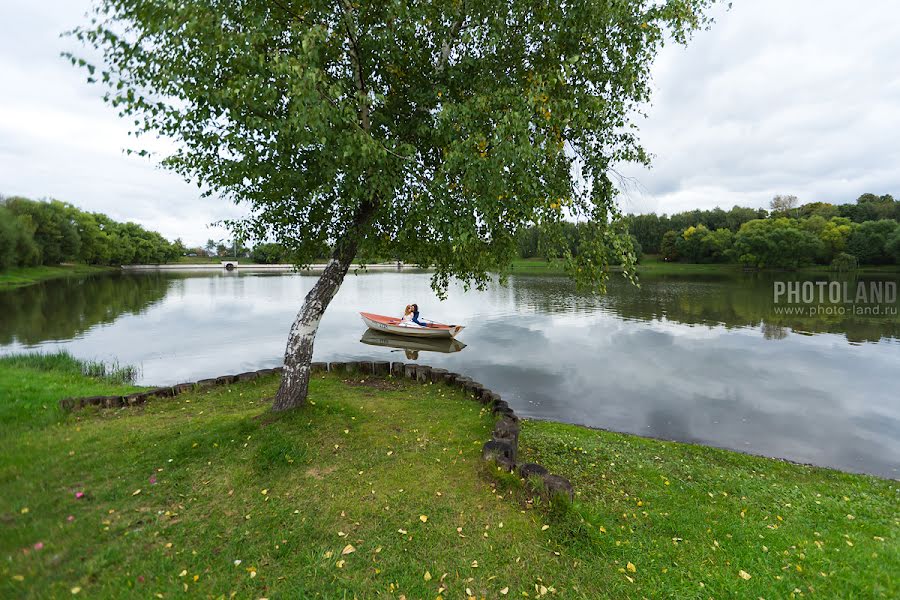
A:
x: 788, y: 235
x: 52, y: 232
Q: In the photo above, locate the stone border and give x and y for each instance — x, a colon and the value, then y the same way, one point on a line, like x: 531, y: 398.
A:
x: 502, y: 449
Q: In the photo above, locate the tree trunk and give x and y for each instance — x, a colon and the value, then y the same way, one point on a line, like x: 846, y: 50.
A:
x: 299, y: 351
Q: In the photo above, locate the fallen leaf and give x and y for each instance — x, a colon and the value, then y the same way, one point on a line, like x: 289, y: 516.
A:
x: 426, y: 576
x: 504, y: 591
x: 744, y: 574
x: 545, y: 528
x: 631, y: 568
x: 136, y: 492
x: 75, y: 590
x: 423, y: 518
x: 348, y: 549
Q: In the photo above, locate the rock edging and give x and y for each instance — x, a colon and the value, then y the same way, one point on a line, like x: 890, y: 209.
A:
x: 502, y: 449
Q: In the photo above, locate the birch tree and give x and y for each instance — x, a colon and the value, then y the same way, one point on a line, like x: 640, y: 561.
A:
x: 435, y: 130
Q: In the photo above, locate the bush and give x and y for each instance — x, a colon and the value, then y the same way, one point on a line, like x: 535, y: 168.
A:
x: 844, y: 262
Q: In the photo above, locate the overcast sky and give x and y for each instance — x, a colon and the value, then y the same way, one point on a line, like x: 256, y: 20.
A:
x: 799, y: 97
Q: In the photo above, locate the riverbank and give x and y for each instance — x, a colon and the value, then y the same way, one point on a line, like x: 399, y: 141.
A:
x: 376, y: 487
x: 19, y: 277
x: 653, y: 265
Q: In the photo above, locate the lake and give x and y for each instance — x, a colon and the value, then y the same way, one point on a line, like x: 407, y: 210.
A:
x: 704, y: 358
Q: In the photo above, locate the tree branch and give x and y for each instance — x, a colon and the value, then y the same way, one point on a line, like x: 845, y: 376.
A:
x: 446, y: 45
x: 353, y: 51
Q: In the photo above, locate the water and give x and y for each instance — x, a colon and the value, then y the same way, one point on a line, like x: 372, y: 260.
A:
x: 701, y: 359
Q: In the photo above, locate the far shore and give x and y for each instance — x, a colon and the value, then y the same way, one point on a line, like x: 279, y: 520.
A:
x: 218, y: 266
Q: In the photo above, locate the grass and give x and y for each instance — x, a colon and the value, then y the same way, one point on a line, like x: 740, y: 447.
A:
x: 375, y: 489
x: 31, y: 385
x: 652, y: 264
x: 649, y: 264
x: 22, y: 276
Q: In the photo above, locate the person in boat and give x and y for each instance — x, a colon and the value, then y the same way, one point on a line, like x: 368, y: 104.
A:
x: 415, y: 315
x: 411, y: 315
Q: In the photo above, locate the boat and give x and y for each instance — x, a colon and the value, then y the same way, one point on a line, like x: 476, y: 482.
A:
x: 395, y: 326
x: 445, y: 345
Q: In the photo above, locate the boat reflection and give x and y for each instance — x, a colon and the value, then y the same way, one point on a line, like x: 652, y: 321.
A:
x: 411, y: 345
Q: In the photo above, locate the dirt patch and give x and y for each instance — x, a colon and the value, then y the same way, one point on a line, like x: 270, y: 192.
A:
x: 320, y: 473
x: 376, y: 383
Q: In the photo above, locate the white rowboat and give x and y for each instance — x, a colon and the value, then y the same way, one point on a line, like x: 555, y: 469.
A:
x: 395, y: 326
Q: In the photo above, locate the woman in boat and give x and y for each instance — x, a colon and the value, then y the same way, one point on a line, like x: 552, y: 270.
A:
x: 407, y: 314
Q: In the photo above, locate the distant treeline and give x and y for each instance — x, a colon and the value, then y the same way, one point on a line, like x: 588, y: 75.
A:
x: 53, y: 232
x: 786, y: 236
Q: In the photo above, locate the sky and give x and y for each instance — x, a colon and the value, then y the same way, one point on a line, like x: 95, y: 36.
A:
x: 799, y: 97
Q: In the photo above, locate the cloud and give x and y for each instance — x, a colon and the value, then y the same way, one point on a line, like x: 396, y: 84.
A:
x: 777, y: 97
x: 798, y: 97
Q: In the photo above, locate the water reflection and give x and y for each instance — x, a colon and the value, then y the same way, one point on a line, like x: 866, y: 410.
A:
x: 410, y: 346
x: 66, y: 308
x: 701, y: 359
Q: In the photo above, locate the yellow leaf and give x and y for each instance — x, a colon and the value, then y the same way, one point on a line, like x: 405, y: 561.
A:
x: 426, y: 576
x: 631, y: 568
x: 75, y: 590
x: 348, y: 549
x: 183, y: 573
x: 339, y: 564
x: 19, y: 577
x: 545, y: 528
x: 423, y: 518
x: 135, y: 492
x: 329, y: 554
x: 504, y: 591
x: 474, y: 564
x: 744, y: 574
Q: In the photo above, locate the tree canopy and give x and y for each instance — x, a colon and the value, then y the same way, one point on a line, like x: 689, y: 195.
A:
x: 453, y: 124
x: 50, y: 232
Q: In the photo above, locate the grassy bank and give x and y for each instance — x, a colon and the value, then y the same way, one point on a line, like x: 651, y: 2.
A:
x: 652, y: 264
x: 376, y: 490
x: 23, y: 276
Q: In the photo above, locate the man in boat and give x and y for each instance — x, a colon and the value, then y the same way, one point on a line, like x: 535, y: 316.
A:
x: 411, y: 315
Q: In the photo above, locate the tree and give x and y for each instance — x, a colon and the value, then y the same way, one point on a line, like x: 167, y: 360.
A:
x: 868, y: 241
x: 783, y: 204
x: 892, y: 245
x: 778, y: 243
x: 668, y: 247
x: 17, y: 246
x: 433, y: 130
x: 210, y: 247
x: 268, y: 254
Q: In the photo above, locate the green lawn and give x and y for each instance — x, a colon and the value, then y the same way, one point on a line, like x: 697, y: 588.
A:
x: 376, y: 490
x: 21, y: 276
